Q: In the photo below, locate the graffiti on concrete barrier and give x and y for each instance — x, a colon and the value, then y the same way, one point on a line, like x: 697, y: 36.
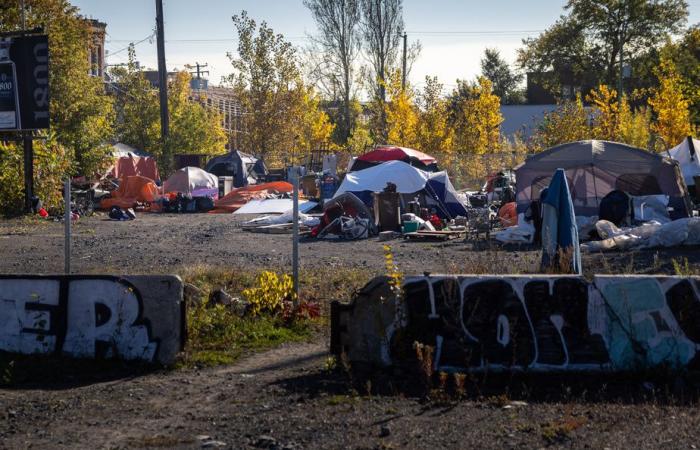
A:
x: 84, y: 317
x: 546, y: 323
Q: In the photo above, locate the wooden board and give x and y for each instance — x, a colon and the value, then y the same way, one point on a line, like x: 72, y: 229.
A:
x: 435, y: 235
x: 283, y: 228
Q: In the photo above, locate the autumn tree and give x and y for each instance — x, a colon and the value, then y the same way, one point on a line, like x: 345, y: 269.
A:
x: 506, y: 82
x: 339, y: 42
x: 401, y: 113
x: 567, y: 123
x: 434, y: 134
x: 268, y: 83
x: 669, y: 107
x: 614, y: 119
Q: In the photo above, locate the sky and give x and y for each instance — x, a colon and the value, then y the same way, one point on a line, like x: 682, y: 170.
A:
x: 453, y: 33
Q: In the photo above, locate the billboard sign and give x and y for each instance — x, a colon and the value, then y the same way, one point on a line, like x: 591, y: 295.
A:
x: 24, y: 83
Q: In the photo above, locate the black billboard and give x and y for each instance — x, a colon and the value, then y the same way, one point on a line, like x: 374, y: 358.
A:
x: 24, y: 83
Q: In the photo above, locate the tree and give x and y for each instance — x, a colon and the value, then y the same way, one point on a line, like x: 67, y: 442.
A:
x: 194, y: 129
x: 567, y: 123
x: 281, y: 113
x: 339, y: 40
x: 685, y: 55
x: 615, y: 120
x: 137, y: 107
x: 585, y: 45
x: 670, y: 107
x: 434, y: 135
x: 81, y: 112
x: 505, y: 82
x: 382, y: 25
x: 401, y: 113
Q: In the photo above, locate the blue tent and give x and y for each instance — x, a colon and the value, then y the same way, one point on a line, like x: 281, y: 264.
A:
x: 559, y: 232
x: 436, y: 187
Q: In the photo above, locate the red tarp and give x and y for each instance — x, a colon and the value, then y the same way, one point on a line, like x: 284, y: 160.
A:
x: 127, y: 166
x: 239, y: 197
x: 132, y: 190
x: 389, y: 153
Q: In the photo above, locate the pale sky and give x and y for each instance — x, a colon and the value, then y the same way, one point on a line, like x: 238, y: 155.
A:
x: 453, y: 33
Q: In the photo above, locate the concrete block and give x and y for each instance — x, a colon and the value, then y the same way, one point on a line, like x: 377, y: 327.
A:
x: 93, y: 316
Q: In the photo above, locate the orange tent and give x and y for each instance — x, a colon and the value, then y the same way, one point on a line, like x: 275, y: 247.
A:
x: 132, y: 190
x: 127, y: 166
x: 239, y: 197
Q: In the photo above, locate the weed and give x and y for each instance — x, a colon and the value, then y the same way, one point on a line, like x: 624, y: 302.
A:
x: 683, y: 268
x: 560, y: 430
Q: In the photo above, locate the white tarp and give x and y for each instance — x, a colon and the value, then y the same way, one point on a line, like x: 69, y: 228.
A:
x: 648, y: 235
x: 273, y: 206
x: 690, y: 164
x: 189, y: 180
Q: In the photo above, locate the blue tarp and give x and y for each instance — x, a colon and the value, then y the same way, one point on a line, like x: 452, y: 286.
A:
x: 559, y: 230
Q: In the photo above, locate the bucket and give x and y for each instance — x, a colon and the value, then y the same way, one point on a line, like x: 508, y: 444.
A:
x: 410, y: 227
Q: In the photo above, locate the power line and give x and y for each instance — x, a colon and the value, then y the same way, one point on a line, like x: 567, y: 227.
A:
x: 150, y: 36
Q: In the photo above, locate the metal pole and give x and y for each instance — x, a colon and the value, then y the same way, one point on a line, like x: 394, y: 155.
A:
x: 28, y: 170
x: 22, y: 14
x: 403, y: 76
x: 163, y: 87
x: 66, y: 246
x: 295, y: 233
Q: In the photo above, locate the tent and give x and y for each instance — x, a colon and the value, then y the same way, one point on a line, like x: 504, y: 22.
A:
x: 244, y: 168
x: 386, y: 153
x: 435, y: 188
x: 132, y: 190
x: 130, y: 161
x: 193, y: 181
x: 239, y: 197
x: 595, y: 168
x: 687, y: 153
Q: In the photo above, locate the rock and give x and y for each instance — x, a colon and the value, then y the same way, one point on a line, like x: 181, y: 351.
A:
x: 384, y: 431
x: 240, y: 307
x: 220, y: 297
x: 192, y: 294
x: 265, y: 441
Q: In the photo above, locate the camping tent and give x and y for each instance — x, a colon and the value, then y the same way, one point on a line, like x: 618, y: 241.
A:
x: 386, y: 153
x: 595, y: 168
x: 244, y: 168
x: 436, y: 188
x: 687, y: 153
x: 193, y: 181
x: 239, y: 197
x: 130, y: 161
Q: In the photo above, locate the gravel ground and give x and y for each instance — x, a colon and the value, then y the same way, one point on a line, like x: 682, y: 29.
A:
x: 286, y: 397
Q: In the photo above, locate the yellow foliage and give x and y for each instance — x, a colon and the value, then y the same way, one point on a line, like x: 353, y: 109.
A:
x: 434, y: 133
x: 479, y: 118
x: 606, y: 118
x: 272, y: 290
x: 569, y: 122
x: 634, y: 126
x: 670, y: 106
x: 401, y: 113
x: 315, y: 128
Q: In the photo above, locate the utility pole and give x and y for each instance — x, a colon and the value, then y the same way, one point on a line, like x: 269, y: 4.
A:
x: 199, y: 72
x: 163, y: 88
x: 28, y: 144
x: 403, y: 75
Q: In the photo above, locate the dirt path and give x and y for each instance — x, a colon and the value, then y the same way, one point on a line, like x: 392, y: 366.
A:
x: 284, y: 398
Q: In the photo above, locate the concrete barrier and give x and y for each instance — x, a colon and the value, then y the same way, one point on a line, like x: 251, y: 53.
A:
x: 535, y: 323
x: 129, y: 318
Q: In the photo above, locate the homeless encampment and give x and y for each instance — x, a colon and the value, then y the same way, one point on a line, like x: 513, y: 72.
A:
x: 434, y: 189
x: 596, y: 168
x: 192, y: 181
x: 244, y: 168
x: 687, y: 153
x: 387, y: 153
x: 132, y: 191
x: 239, y: 197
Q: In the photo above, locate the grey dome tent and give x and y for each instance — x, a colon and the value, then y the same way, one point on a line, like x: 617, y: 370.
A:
x: 244, y: 168
x: 595, y: 168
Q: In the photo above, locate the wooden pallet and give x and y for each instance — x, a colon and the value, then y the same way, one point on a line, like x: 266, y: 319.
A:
x: 282, y: 228
x: 435, y: 235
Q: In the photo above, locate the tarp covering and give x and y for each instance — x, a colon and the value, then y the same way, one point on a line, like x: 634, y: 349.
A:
x: 244, y: 168
x: 239, y: 197
x: 391, y: 153
x: 559, y: 231
x: 132, y: 190
x: 127, y: 166
x: 274, y: 206
x: 687, y: 153
x: 193, y: 181
x: 408, y: 180
x: 595, y: 168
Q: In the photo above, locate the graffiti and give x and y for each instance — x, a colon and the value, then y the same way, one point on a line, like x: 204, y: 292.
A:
x: 82, y: 317
x: 545, y: 323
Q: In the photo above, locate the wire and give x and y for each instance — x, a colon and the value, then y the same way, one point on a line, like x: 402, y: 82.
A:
x: 150, y: 36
